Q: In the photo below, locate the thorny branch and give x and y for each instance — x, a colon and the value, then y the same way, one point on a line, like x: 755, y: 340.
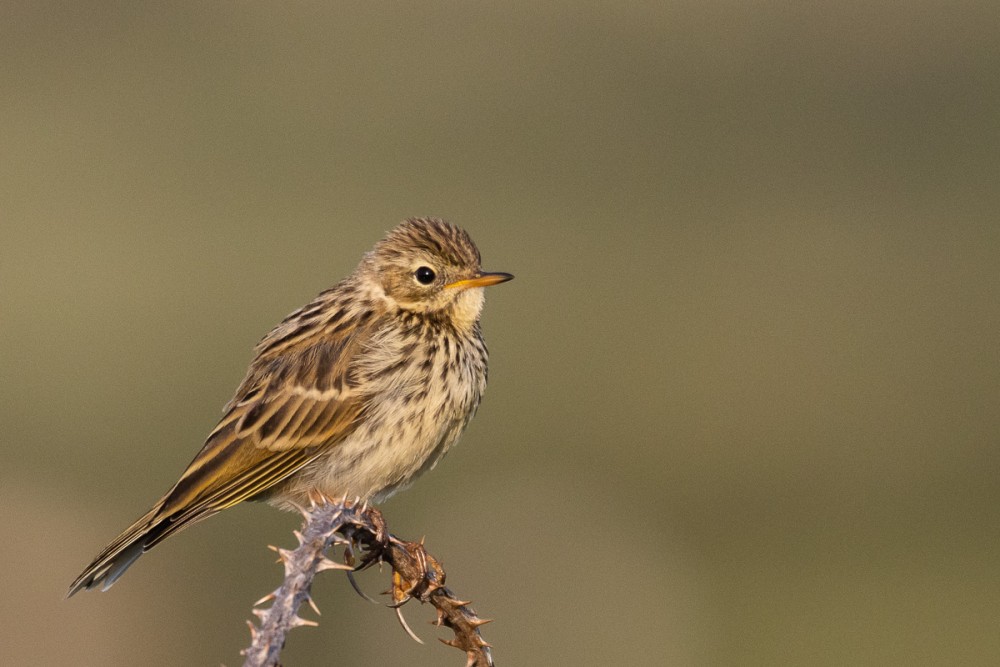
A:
x: 415, y: 575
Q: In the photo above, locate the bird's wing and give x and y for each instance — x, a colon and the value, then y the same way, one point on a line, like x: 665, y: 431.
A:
x: 297, y: 401
x: 287, y: 413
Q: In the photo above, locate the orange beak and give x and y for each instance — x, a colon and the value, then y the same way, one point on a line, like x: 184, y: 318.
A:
x: 482, y: 280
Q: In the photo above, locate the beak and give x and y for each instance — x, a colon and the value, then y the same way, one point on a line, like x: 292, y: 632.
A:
x: 482, y: 280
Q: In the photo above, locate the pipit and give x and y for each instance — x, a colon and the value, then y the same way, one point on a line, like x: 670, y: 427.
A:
x: 357, y: 393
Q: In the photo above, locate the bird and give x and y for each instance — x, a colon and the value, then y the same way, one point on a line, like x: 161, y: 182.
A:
x: 355, y: 394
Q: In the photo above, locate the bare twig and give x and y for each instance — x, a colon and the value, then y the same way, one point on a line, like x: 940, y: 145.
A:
x: 415, y: 575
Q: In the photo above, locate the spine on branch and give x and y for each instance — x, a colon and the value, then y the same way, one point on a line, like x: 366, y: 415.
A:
x: 416, y: 575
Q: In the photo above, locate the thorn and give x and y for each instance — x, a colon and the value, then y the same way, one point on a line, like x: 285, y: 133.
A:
x: 482, y: 643
x: 298, y: 536
x: 266, y: 598
x: 460, y: 603
x: 422, y: 538
x: 327, y: 564
x: 285, y: 556
x: 449, y: 642
x: 312, y: 603
x: 402, y: 621
x: 272, y: 547
x: 299, y: 508
x: 478, y: 622
x: 364, y: 508
x: 357, y: 589
x: 299, y: 621
x: 260, y: 613
x: 253, y: 631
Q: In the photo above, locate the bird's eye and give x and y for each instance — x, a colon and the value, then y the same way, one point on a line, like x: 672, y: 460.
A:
x: 424, y: 275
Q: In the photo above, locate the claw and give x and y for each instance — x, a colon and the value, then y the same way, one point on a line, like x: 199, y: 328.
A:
x: 400, y: 603
x: 401, y: 590
x: 402, y: 621
x: 357, y: 589
x: 368, y: 559
x: 349, y: 554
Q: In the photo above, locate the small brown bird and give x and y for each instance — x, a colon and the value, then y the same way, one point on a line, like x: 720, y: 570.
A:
x: 357, y: 393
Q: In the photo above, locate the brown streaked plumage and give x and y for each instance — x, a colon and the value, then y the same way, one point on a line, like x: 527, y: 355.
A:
x: 356, y: 393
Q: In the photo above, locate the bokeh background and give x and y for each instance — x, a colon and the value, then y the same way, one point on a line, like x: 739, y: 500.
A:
x: 745, y: 391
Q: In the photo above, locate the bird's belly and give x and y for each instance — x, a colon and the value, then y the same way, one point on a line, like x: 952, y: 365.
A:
x: 399, y: 439
x: 415, y: 411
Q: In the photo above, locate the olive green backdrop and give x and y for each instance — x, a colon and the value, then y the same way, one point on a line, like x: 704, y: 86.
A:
x: 745, y: 391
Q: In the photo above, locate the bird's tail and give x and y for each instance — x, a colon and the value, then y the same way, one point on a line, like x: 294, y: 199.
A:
x: 117, y: 556
x: 134, y: 541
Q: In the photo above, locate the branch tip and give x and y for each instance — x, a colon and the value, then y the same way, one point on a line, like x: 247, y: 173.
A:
x: 415, y: 575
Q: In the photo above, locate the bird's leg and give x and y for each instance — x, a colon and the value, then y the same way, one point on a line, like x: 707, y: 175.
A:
x: 372, y: 549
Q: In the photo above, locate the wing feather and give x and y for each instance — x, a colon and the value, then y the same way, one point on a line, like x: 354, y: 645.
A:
x: 294, y: 405
x: 245, y: 452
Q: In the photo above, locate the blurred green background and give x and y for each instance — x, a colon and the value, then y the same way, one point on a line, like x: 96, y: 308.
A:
x: 745, y: 391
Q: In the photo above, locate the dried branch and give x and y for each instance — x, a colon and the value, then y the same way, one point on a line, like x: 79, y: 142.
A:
x: 415, y: 575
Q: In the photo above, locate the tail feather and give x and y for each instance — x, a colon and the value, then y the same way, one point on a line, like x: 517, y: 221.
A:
x: 111, y: 563
x: 134, y: 541
x: 223, y: 474
x: 117, y: 567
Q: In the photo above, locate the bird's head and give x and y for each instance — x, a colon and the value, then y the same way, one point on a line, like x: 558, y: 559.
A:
x: 426, y: 265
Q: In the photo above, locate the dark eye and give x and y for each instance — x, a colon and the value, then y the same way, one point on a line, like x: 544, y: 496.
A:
x: 424, y: 275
